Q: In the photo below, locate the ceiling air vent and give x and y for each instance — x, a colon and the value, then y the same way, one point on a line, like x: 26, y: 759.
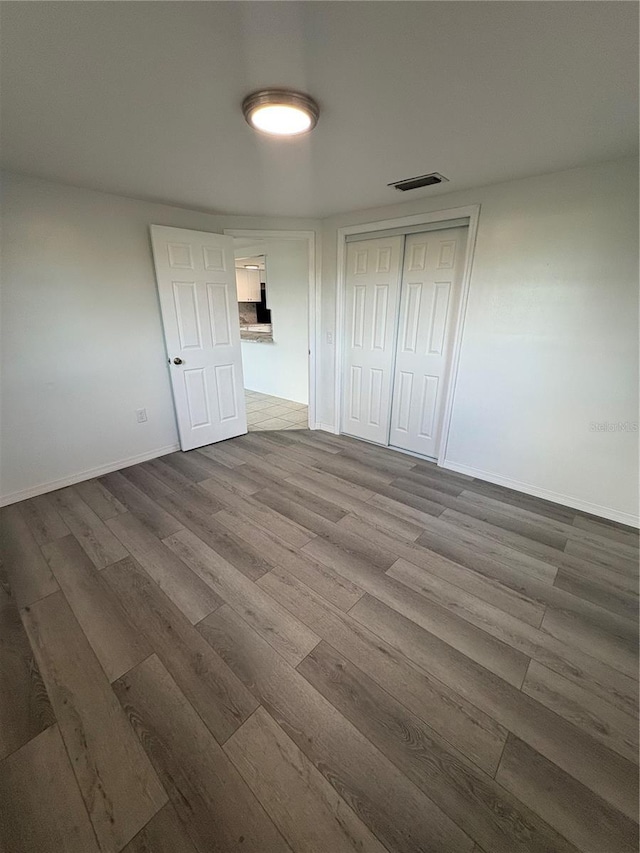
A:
x: 421, y: 181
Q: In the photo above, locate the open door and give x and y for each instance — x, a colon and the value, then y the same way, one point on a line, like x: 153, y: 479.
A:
x: 195, y: 272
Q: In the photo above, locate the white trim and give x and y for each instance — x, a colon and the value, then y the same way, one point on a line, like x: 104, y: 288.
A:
x: 89, y: 474
x: 313, y: 302
x: 555, y: 497
x: 327, y: 428
x: 472, y: 212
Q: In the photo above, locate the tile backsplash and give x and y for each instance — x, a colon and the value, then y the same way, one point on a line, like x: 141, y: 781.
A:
x: 248, y: 313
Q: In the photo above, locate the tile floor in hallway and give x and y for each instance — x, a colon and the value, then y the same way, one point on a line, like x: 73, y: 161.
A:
x: 268, y: 413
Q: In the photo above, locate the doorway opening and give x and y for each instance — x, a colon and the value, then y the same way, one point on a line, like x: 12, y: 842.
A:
x: 275, y: 276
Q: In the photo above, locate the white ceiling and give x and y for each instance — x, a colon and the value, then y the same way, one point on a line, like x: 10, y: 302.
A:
x: 143, y: 98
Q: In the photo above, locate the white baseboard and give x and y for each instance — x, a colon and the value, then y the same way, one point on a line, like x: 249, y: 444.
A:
x: 89, y: 474
x: 555, y: 497
x: 328, y: 428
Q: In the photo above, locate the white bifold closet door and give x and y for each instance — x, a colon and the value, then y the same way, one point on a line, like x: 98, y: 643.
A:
x: 372, y: 283
x: 430, y: 297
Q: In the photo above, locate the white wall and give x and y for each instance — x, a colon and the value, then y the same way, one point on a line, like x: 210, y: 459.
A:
x: 281, y: 368
x: 550, y: 341
x: 550, y: 344
x: 82, y: 343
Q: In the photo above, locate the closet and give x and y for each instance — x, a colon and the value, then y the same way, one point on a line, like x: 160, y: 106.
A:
x: 402, y: 298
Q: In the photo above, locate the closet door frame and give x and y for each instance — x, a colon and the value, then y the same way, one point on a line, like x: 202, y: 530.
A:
x: 470, y: 212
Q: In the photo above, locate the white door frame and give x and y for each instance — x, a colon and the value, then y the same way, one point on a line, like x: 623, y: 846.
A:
x: 312, y: 301
x: 472, y: 212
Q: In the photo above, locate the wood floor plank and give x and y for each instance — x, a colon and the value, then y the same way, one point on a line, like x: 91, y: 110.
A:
x: 329, y: 584
x: 260, y: 515
x: 290, y: 637
x: 491, y: 531
x: 433, y: 481
x: 473, y: 734
x: 441, y: 581
x: 218, y: 696
x: 145, y: 481
x: 168, y: 475
x: 99, y: 499
x: 532, y: 587
x: 603, y: 771
x: 43, y: 519
x: 535, y: 643
x: 624, y: 582
x: 306, y: 809
x: 441, y: 535
x: 285, y: 502
x: 484, y: 810
x: 40, y: 804
x: 306, y: 500
x: 621, y: 653
x: 399, y: 623
x: 27, y: 572
x: 97, y: 540
x: 333, y: 587
x: 359, y: 508
x: 258, y: 462
x: 193, y: 465
x: 215, y: 806
x: 333, y: 482
x: 598, y: 718
x: 489, y: 590
x: 583, y: 561
x: 197, y: 499
x: 233, y: 478
x: 536, y: 505
x: 500, y: 550
x: 116, y: 644
x: 190, y: 595
x: 148, y: 512
x: 119, y: 787
x: 483, y: 511
x: 25, y: 710
x: 497, y: 656
x: 589, y: 822
x: 598, y: 592
x: 608, y: 531
x: 606, y: 555
x: 570, y: 531
x: 207, y: 528
x: 402, y: 510
x: 163, y: 834
x: 417, y: 502
x: 383, y: 798
x: 352, y: 472
x: 221, y: 452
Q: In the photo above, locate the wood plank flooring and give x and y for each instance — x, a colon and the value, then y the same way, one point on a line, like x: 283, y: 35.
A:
x: 298, y: 642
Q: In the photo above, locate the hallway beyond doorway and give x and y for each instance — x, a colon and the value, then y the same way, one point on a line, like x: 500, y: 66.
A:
x: 268, y: 413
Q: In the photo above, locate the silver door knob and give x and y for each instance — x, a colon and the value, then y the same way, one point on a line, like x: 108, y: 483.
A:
x: 177, y: 361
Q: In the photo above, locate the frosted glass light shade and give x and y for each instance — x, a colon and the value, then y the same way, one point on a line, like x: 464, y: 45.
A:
x: 280, y: 113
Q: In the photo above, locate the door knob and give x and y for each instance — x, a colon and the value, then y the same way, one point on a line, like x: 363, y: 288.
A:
x: 177, y: 361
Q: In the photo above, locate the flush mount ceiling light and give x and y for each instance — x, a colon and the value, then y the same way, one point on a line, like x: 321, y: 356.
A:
x: 280, y: 112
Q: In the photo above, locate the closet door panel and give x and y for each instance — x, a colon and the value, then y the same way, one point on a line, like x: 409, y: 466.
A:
x: 372, y: 283
x: 430, y: 294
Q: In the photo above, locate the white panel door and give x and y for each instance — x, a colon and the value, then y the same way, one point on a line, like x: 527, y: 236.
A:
x: 429, y: 301
x: 196, y: 279
x: 372, y: 282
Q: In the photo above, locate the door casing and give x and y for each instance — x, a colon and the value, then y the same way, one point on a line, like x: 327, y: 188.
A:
x: 470, y: 212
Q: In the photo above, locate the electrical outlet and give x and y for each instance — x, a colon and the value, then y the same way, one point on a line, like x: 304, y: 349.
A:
x: 329, y: 337
x: 141, y: 416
